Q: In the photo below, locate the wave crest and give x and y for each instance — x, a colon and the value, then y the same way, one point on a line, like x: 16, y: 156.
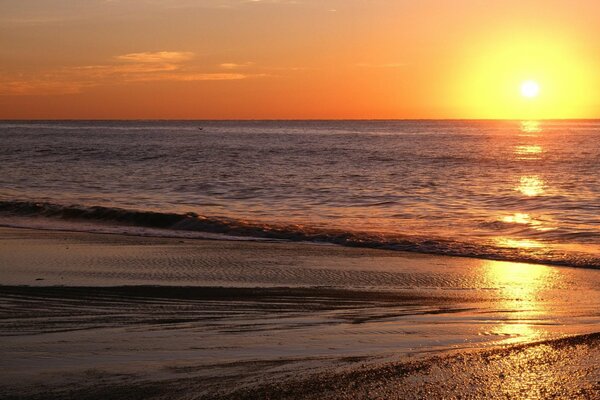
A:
x: 233, y: 227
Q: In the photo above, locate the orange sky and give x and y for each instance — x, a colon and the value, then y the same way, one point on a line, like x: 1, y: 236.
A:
x: 270, y: 59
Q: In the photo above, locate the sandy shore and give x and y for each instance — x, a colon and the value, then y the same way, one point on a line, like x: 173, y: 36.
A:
x: 108, y: 316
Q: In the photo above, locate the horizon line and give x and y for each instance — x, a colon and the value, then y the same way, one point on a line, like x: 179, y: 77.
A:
x: 296, y: 119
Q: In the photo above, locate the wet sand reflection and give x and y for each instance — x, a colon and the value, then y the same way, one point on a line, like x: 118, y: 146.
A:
x: 519, y: 298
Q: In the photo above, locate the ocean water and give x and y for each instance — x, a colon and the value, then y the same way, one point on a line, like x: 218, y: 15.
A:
x: 510, y: 190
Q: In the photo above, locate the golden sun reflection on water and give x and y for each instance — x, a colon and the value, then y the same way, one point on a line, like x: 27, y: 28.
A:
x: 519, y: 331
x: 518, y: 243
x: 519, y: 286
x: 531, y: 127
x: 517, y: 281
x: 520, y: 218
x: 531, y: 185
x: 526, y: 219
x: 528, y: 152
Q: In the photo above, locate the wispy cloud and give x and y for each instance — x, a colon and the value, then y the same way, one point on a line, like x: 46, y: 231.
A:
x: 157, y: 56
x: 191, y: 77
x: 126, y: 68
x: 21, y: 13
x: 383, y: 65
x: 235, y: 65
x: 99, y: 71
x: 222, y: 3
x: 39, y: 86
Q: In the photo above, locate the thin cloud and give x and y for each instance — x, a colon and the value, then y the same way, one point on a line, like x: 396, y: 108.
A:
x: 191, y: 77
x: 105, y: 70
x: 40, y: 87
x: 49, y: 13
x: 127, y: 68
x: 384, y: 65
x: 235, y: 65
x: 157, y: 57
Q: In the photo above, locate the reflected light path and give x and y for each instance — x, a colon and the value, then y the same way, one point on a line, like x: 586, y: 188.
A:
x: 531, y: 186
x: 518, y: 281
x: 528, y: 152
x: 520, y: 218
x: 526, y: 219
x: 530, y: 127
x: 519, y: 288
x: 518, y: 243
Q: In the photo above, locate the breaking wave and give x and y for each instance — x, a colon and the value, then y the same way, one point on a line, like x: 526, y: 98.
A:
x: 170, y: 224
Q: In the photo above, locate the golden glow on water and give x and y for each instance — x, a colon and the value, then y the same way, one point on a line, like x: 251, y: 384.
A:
x: 517, y: 330
x: 531, y: 185
x: 517, y: 281
x: 526, y: 219
x: 530, y: 129
x: 528, y: 152
x: 530, y: 126
x: 518, y: 243
x: 519, y: 289
x: 528, y: 185
x: 520, y: 218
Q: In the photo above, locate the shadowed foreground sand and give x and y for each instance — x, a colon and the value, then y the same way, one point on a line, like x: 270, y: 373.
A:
x: 105, y: 316
x: 564, y: 368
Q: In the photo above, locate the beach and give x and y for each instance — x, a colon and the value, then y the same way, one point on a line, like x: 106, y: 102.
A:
x: 88, y: 315
x: 299, y: 200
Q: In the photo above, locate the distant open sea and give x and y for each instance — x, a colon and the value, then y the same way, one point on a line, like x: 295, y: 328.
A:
x: 511, y: 190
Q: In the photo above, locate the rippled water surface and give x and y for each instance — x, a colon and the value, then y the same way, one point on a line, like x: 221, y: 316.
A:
x: 520, y: 190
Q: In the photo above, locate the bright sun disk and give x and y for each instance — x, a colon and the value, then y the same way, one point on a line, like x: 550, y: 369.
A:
x: 530, y: 89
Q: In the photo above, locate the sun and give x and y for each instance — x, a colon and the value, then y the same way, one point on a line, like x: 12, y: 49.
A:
x: 530, y: 89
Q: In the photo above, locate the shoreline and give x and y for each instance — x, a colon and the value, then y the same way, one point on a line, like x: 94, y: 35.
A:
x: 102, y: 219
x: 94, y: 316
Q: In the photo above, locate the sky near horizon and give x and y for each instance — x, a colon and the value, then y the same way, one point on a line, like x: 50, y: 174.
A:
x: 296, y: 59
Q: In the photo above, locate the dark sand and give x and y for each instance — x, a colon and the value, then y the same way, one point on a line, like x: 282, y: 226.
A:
x: 93, y: 316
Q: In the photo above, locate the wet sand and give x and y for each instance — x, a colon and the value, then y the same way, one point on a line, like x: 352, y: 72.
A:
x: 108, y: 316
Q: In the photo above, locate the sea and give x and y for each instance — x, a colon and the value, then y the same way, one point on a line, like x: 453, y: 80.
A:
x: 526, y: 191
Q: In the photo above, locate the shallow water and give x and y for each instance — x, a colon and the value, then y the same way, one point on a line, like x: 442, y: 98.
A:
x: 79, y: 309
x: 521, y: 190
